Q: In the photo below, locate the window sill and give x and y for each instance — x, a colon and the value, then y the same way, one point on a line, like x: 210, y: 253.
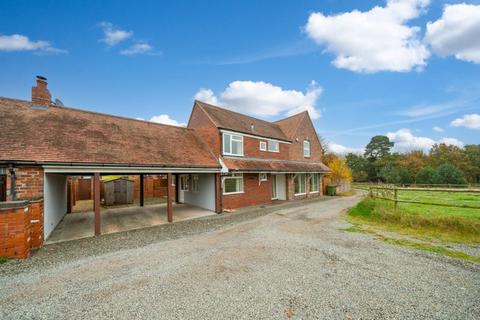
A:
x: 314, y: 192
x: 229, y: 193
x: 299, y: 194
x: 232, y: 155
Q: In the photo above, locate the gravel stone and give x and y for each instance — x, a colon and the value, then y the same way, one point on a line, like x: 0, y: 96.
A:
x: 261, y: 263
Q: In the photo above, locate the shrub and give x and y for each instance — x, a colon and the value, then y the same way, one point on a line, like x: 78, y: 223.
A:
x: 426, y: 175
x: 449, y: 174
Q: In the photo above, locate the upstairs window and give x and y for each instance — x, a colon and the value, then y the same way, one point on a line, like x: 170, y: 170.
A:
x: 232, y: 144
x: 273, y: 146
x: 263, y: 176
x: 263, y: 146
x: 306, y: 148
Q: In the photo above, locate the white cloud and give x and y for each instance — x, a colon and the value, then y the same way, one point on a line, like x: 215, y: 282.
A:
x: 437, y: 129
x: 456, y: 32
x: 206, y: 95
x: 264, y: 99
x: 340, y: 149
x: 113, y: 35
x: 18, y: 42
x: 165, y: 119
x: 374, y: 40
x: 139, y: 48
x: 471, y: 121
x: 405, y: 140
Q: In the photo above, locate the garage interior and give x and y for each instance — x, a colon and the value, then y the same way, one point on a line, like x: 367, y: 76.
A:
x: 80, y: 206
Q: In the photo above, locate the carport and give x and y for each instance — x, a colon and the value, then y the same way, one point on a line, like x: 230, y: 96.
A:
x: 194, y: 199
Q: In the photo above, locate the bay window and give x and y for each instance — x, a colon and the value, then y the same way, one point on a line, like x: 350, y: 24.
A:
x: 314, y: 182
x: 299, y: 182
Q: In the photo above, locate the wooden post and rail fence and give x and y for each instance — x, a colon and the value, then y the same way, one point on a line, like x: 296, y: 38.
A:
x: 391, y: 193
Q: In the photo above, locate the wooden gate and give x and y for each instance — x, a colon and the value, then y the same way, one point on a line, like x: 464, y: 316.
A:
x: 84, y: 189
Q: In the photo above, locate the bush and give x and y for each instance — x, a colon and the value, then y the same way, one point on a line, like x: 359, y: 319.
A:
x: 449, y: 174
x: 395, y: 175
x: 426, y: 175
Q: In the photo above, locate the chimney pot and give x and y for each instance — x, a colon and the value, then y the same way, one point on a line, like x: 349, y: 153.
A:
x: 40, y: 94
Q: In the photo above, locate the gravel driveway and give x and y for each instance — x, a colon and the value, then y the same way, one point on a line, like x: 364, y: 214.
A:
x: 291, y: 262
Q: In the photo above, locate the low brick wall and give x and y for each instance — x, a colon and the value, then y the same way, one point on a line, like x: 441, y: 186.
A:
x: 36, y: 223
x: 15, y: 239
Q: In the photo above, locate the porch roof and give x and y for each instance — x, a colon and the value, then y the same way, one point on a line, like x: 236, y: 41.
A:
x: 271, y: 165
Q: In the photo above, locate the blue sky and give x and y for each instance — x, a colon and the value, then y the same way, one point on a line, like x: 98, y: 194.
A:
x: 360, y: 69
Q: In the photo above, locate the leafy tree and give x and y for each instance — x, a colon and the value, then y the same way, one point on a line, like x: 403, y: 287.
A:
x: 443, y: 153
x: 413, y: 161
x: 426, y: 175
x: 449, y: 174
x: 395, y: 175
x: 378, y: 147
x: 472, y: 152
x: 358, y: 164
x: 340, y: 170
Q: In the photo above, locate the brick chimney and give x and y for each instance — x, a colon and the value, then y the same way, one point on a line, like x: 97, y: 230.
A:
x: 40, y: 94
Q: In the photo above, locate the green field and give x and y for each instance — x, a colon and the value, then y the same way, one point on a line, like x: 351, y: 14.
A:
x: 427, y: 222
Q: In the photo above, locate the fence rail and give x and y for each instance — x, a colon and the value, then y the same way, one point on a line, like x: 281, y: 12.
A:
x: 390, y: 193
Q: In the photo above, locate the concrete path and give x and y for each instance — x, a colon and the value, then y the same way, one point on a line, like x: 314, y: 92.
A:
x: 292, y: 262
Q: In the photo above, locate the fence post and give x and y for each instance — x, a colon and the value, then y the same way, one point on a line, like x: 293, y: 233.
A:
x: 395, y: 192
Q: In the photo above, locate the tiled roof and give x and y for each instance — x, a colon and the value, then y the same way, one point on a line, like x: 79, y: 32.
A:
x: 267, y: 165
x: 227, y: 119
x: 290, y: 125
x: 60, y: 134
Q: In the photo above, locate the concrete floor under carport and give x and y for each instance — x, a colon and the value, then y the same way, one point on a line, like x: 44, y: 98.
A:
x: 81, y: 224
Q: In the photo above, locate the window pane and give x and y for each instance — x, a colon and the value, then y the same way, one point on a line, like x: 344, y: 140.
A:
x: 306, y: 148
x: 233, y: 183
x: 226, y: 143
x: 272, y: 145
x: 237, y: 147
x: 230, y: 185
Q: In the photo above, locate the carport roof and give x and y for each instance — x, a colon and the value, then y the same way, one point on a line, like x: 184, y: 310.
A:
x: 60, y: 134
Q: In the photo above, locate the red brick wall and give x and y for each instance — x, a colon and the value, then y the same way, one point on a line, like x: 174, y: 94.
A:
x: 251, y: 148
x: 36, y: 223
x: 205, y: 128
x: 28, y: 183
x: 254, y: 194
x: 15, y: 240
x: 305, y: 131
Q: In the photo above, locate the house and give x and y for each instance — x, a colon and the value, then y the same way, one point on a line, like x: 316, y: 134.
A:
x: 261, y: 161
x: 222, y: 160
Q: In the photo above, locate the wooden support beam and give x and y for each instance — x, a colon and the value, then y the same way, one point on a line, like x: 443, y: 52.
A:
x: 142, y: 191
x: 169, y: 198
x: 96, y: 202
x: 177, y: 188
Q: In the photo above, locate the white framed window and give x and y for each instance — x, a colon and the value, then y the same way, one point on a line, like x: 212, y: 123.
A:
x: 262, y: 176
x: 299, y: 182
x: 232, y: 183
x: 273, y: 146
x: 314, y: 182
x: 263, y: 146
x: 195, y: 182
x: 184, y: 182
x: 306, y: 148
x: 232, y: 144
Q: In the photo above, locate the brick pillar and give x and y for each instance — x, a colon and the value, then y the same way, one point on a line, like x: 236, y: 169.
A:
x: 96, y: 203
x: 290, y: 186
x: 36, y: 223
x: 15, y: 240
x: 218, y: 193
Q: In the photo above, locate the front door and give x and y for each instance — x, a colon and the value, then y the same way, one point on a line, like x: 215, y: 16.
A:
x: 274, y: 186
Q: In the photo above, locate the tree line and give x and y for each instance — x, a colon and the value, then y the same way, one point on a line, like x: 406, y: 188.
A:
x: 443, y: 164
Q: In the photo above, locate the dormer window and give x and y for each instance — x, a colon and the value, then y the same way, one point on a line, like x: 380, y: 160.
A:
x: 306, y: 148
x: 232, y: 144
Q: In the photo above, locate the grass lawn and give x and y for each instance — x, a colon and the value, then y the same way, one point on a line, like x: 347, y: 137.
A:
x: 433, y: 226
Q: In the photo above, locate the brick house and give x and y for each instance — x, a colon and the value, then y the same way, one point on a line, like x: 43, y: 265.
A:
x: 261, y: 161
x: 222, y: 160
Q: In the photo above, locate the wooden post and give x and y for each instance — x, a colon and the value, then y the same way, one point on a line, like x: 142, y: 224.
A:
x: 169, y: 198
x: 177, y: 188
x: 96, y: 202
x: 142, y: 191
x: 395, y: 197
